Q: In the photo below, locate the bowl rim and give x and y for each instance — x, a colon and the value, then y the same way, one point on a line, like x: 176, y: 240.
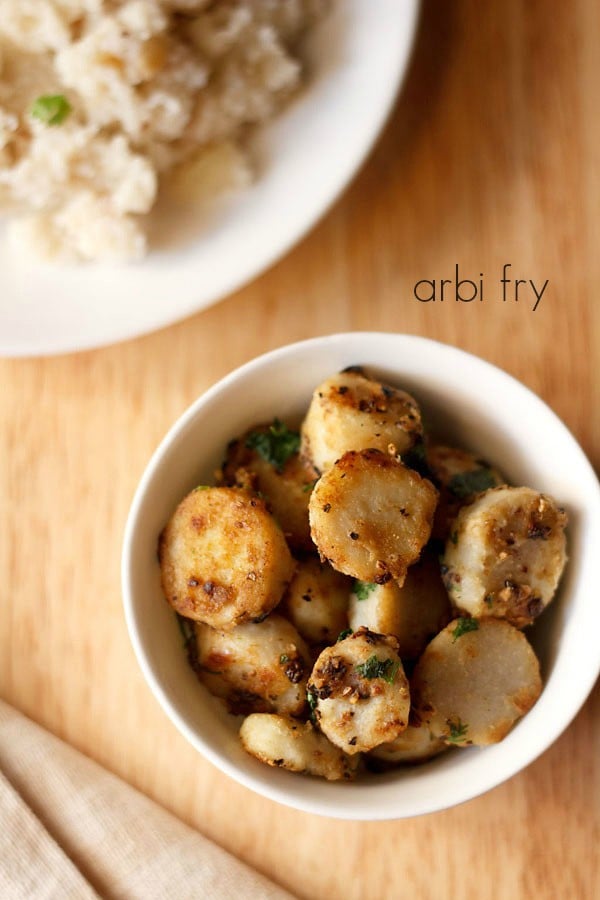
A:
x: 563, y: 719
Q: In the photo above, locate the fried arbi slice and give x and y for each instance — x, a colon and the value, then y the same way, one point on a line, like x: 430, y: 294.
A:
x: 289, y: 744
x: 414, y: 745
x: 257, y: 667
x: 459, y: 476
x: 475, y: 679
x: 375, y: 606
x: 317, y: 601
x: 223, y: 558
x: 359, y: 692
x: 505, y: 554
x: 265, y: 460
x: 353, y: 412
x: 413, y: 613
x: 370, y: 515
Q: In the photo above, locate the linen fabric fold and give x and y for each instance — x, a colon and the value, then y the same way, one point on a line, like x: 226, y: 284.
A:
x: 70, y: 829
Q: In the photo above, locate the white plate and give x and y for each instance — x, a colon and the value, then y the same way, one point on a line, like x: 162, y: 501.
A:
x: 305, y: 157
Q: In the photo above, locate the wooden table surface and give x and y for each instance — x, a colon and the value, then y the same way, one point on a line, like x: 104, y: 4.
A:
x: 491, y: 157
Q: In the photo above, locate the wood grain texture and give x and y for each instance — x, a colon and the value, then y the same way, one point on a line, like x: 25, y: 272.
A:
x: 491, y: 156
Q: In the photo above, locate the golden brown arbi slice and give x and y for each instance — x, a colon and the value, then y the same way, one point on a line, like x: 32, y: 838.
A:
x: 353, y: 412
x: 414, y: 745
x: 413, y: 613
x: 317, y: 601
x: 359, y: 692
x: 370, y: 516
x: 505, y: 554
x: 475, y: 680
x: 265, y: 460
x: 459, y: 476
x: 289, y: 744
x: 257, y: 667
x: 223, y: 558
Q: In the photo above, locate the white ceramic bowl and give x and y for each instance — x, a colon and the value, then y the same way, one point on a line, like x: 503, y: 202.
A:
x: 469, y: 402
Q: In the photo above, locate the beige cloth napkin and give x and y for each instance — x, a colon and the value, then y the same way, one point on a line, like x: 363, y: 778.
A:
x: 70, y: 829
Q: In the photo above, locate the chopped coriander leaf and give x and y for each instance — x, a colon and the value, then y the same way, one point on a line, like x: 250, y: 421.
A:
x: 454, y: 537
x: 275, y: 445
x: 344, y: 634
x: 463, y: 626
x: 390, y: 675
x: 378, y: 668
x: 362, y: 589
x: 464, y: 484
x: 415, y: 454
x: 284, y: 658
x: 309, y: 487
x: 202, y: 487
x: 457, y: 733
x: 416, y: 459
x: 51, y: 109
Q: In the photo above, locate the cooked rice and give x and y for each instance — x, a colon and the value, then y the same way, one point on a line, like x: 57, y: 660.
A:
x: 153, y: 87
